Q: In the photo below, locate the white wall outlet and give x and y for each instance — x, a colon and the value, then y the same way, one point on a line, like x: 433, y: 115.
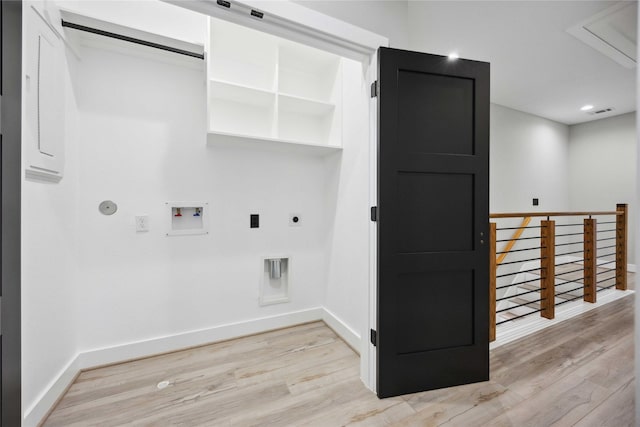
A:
x: 295, y: 220
x: 142, y: 223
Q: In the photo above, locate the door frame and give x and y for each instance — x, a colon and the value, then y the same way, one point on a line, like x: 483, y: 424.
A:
x: 10, y: 228
x: 372, y: 380
x: 296, y: 22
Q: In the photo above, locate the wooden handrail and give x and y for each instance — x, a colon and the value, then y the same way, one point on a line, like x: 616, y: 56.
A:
x: 532, y: 214
x: 516, y: 235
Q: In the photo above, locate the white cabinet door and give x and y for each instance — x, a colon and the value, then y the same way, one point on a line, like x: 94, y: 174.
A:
x: 45, y: 100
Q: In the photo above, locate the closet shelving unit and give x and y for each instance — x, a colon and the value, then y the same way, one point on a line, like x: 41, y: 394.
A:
x: 267, y: 92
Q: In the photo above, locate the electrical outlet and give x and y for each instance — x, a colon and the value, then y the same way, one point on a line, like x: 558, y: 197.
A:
x: 295, y: 220
x: 142, y: 223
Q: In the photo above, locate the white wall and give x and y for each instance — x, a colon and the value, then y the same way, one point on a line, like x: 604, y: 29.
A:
x: 347, y: 207
x: 529, y: 158
x: 142, y: 123
x: 388, y: 18
x: 602, y: 167
x: 49, y: 247
x: 142, y: 142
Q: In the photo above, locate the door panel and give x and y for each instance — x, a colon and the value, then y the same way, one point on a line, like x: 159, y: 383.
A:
x: 435, y: 113
x: 420, y: 321
x: 433, y: 191
x: 420, y: 222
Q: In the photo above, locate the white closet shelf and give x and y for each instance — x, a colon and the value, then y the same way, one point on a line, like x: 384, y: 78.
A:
x: 302, y: 105
x: 231, y: 140
x: 242, y: 94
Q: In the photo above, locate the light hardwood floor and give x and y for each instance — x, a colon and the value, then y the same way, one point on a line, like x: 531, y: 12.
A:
x: 579, y: 372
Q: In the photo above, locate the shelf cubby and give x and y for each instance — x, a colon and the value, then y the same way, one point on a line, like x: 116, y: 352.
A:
x: 241, y: 110
x: 267, y: 90
x: 307, y: 72
x: 304, y: 120
x: 241, y: 55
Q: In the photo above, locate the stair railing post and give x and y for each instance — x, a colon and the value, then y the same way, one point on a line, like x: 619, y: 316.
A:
x: 590, y: 256
x: 547, y: 268
x: 621, y: 246
x: 492, y: 281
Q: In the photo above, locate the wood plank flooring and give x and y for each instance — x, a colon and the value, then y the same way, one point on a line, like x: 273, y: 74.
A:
x: 579, y: 372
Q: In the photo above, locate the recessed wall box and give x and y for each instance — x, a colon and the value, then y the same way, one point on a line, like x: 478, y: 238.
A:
x: 187, y: 218
x: 274, y: 284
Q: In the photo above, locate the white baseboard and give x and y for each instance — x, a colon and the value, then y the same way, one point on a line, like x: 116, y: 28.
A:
x: 344, y: 331
x: 36, y: 413
x: 134, y: 350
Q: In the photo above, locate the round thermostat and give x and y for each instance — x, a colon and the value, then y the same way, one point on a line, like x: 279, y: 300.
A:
x: 107, y: 207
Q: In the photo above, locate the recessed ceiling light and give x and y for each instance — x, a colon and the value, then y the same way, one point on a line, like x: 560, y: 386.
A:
x: 586, y: 107
x: 454, y: 55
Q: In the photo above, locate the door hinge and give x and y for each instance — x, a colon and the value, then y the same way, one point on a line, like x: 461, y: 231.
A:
x: 374, y: 338
x: 374, y: 89
x: 374, y: 213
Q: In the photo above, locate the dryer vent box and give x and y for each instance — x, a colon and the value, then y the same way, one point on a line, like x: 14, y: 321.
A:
x: 274, y: 284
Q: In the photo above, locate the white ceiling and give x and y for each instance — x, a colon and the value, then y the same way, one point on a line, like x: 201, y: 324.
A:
x: 536, y: 65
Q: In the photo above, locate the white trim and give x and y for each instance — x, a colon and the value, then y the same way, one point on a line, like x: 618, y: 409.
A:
x: 606, y: 47
x: 133, y: 350
x: 145, y: 348
x: 46, y: 21
x: 295, y: 22
x: 35, y: 414
x: 368, y: 360
x: 112, y: 27
x: 42, y: 175
x: 235, y: 141
x: 343, y: 330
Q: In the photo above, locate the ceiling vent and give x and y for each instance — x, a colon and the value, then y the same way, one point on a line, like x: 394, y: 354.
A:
x: 600, y: 111
x: 612, y: 32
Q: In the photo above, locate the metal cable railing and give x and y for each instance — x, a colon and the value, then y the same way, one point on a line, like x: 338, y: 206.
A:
x: 585, y: 265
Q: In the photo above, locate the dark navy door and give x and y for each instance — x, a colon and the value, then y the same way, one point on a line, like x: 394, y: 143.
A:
x: 433, y: 216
